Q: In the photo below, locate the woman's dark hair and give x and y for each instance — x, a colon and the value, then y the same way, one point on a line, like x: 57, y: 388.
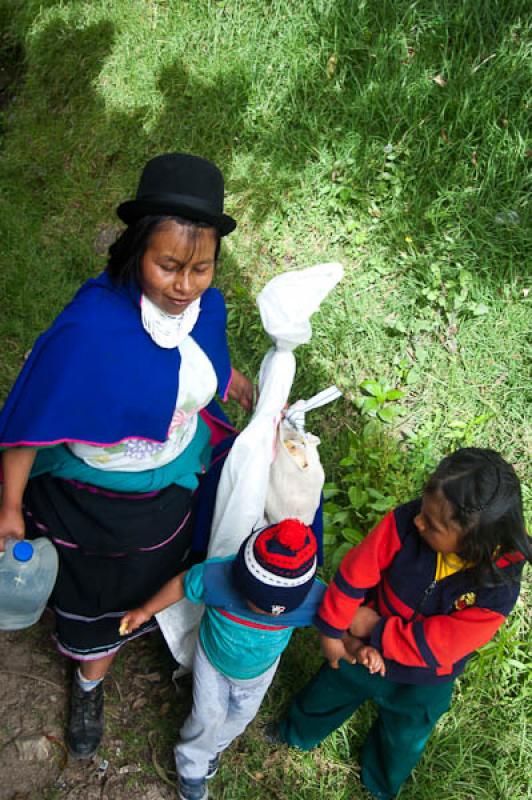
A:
x: 126, y: 254
x: 485, y: 495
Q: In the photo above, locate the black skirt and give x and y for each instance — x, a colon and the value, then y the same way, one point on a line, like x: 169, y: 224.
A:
x: 115, y: 551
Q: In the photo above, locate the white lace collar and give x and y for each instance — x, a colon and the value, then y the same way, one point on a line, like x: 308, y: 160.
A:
x: 168, y: 330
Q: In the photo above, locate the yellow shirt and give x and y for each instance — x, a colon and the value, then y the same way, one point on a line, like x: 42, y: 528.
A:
x: 447, y: 564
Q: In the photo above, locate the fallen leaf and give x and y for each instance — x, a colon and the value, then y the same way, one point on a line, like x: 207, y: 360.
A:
x: 440, y: 80
x: 332, y: 63
x: 153, y: 677
x: 474, y: 160
x: 33, y: 747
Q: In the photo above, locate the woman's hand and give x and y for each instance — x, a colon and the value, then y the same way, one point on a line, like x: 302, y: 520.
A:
x: 363, y: 622
x: 133, y: 620
x: 241, y: 390
x: 16, y: 463
x: 11, y: 525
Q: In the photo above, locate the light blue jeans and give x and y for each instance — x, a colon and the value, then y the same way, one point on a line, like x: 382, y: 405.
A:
x: 222, y: 709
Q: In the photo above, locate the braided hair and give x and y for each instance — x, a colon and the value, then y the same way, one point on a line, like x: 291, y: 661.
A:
x: 485, y: 496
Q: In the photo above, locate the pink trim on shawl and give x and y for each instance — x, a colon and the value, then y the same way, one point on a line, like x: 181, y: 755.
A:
x: 51, y: 443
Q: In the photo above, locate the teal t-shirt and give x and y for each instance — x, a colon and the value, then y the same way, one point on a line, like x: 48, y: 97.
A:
x: 237, y: 650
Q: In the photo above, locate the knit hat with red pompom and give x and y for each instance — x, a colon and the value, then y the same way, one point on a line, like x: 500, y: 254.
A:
x: 275, y: 567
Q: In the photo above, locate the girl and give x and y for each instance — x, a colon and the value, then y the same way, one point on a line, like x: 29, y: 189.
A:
x: 429, y: 585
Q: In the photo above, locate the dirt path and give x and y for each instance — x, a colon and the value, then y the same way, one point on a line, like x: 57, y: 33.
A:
x: 135, y: 759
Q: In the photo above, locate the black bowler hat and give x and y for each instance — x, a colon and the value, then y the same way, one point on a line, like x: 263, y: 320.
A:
x: 182, y: 185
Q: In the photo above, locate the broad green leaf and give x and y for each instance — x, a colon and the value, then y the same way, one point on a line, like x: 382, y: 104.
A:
x: 371, y: 387
x: 370, y: 404
x: 357, y: 497
x: 394, y: 394
x: 386, y: 414
x: 353, y: 536
x: 340, y: 517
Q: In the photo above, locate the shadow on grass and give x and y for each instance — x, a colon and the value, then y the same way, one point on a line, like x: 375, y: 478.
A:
x: 325, y: 130
x: 77, y: 158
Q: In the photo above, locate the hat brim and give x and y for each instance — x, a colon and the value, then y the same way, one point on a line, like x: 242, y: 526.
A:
x: 132, y: 210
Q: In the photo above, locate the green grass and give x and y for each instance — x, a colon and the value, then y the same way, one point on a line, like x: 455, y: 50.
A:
x: 338, y: 143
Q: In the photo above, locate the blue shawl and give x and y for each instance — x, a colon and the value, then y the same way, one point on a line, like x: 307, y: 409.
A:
x: 96, y: 376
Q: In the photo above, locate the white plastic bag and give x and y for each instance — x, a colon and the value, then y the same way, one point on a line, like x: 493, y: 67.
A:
x: 296, y: 477
x: 285, y: 304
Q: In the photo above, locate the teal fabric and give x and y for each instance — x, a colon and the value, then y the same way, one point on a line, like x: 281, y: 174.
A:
x: 60, y: 462
x: 236, y: 650
x: 395, y: 743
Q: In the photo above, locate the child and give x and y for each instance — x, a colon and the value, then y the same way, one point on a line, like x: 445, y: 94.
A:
x: 239, y: 646
x: 429, y: 585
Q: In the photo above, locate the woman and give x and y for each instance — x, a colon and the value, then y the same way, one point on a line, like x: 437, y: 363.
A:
x: 107, y: 426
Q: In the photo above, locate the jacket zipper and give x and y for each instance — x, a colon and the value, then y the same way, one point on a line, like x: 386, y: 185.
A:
x: 428, y: 591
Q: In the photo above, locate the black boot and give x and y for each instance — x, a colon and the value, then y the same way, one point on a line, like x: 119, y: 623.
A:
x: 85, y: 726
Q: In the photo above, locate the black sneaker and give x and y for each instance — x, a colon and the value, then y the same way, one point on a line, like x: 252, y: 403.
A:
x: 212, y: 769
x: 85, y: 726
x: 192, y: 789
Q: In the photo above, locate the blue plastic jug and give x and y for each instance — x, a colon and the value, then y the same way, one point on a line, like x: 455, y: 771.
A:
x: 27, y: 576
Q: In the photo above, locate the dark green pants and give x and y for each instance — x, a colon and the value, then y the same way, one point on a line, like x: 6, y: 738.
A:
x: 407, y: 715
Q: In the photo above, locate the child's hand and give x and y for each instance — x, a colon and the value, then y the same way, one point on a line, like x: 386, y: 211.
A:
x: 133, y: 620
x: 363, y: 622
x: 370, y: 658
x: 352, y: 644
x: 334, y: 650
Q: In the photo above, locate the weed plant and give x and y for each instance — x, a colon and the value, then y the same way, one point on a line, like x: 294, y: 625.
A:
x: 392, y: 136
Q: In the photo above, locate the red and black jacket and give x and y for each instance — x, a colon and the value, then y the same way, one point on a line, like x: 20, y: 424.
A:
x: 428, y: 629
